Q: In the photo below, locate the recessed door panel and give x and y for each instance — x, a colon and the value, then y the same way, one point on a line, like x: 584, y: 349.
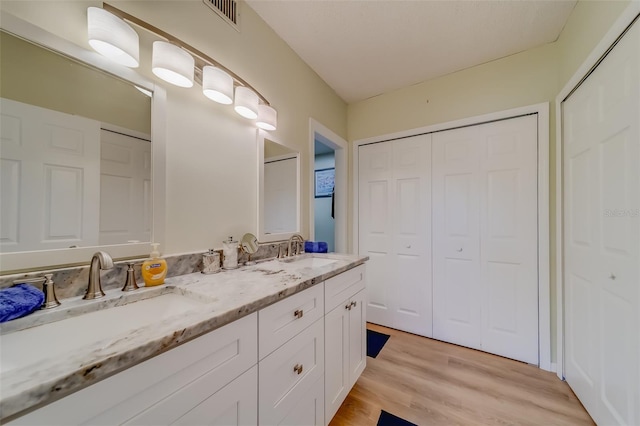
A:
x: 394, y: 224
x: 602, y: 268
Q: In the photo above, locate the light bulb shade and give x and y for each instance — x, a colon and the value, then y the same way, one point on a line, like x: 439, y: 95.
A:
x: 112, y: 37
x: 217, y: 85
x: 246, y: 103
x: 267, y: 117
x: 172, y: 64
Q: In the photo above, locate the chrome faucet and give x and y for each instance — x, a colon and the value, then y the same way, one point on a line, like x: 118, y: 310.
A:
x: 298, y: 239
x: 100, y: 260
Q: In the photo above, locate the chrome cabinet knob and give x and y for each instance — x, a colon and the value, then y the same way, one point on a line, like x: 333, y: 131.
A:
x: 298, y: 368
x: 299, y: 313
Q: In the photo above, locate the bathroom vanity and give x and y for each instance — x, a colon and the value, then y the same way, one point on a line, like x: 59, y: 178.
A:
x: 273, y: 343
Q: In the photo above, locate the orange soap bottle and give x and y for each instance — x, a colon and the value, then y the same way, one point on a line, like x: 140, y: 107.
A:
x: 154, y: 269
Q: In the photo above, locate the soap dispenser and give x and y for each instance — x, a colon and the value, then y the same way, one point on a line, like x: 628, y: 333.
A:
x: 154, y: 269
x: 230, y: 253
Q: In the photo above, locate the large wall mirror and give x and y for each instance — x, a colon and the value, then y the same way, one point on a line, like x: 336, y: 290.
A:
x: 82, y: 155
x: 279, y: 190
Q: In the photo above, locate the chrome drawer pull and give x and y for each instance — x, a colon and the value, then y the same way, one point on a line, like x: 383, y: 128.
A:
x: 354, y: 303
x: 299, y: 313
x: 348, y: 307
x: 298, y: 368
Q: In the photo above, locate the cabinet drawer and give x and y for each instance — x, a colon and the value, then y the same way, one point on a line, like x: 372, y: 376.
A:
x: 281, y: 321
x: 343, y: 286
x: 289, y: 373
x: 163, y: 387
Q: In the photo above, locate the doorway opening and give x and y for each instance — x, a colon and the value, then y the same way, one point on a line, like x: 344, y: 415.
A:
x: 328, y: 187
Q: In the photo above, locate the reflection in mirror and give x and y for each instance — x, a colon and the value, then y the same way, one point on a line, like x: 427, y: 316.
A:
x: 75, y: 152
x: 280, y: 188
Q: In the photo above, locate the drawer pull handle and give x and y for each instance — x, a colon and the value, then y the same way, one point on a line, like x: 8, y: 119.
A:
x: 353, y: 303
x: 299, y: 313
x: 348, y: 307
x: 298, y: 368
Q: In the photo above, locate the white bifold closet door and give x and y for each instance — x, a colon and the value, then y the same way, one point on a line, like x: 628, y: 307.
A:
x: 485, y: 237
x: 394, y: 231
x: 601, y: 165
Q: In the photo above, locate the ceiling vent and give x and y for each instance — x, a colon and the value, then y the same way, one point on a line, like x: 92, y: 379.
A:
x: 227, y: 9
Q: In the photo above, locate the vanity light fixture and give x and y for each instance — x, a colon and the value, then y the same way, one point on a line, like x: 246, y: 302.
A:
x: 112, y: 37
x: 217, y: 85
x: 172, y: 64
x: 267, y: 117
x: 176, y: 62
x: 246, y: 103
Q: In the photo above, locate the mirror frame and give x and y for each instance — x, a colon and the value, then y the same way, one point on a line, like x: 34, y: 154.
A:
x: 262, y: 236
x: 56, y: 258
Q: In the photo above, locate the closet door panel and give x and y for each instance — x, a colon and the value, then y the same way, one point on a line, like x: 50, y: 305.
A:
x: 412, y: 239
x: 394, y: 229
x: 375, y: 227
x: 456, y: 291
x: 509, y: 238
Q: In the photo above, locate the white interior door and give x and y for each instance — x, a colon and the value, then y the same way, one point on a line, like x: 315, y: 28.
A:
x: 602, y: 236
x: 50, y: 178
x: 485, y: 237
x: 125, y: 188
x: 394, y: 231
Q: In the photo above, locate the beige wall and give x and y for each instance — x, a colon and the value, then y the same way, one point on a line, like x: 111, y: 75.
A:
x: 211, y: 151
x: 37, y: 76
x: 527, y: 78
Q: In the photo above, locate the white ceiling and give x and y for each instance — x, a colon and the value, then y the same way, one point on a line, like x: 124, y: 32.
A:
x: 363, y: 48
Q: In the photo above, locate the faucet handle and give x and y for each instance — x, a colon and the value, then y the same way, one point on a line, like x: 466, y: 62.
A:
x: 49, y: 290
x: 50, y: 299
x: 130, y: 284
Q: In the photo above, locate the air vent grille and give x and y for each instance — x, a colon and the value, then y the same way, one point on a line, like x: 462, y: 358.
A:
x: 227, y: 9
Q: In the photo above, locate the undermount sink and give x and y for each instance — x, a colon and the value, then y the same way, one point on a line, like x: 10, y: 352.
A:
x: 51, y: 339
x: 306, y: 261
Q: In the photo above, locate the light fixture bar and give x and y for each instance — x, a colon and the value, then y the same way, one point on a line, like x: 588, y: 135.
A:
x: 203, y: 58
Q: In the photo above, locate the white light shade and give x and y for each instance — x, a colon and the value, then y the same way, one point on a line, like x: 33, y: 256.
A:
x: 246, y: 102
x: 217, y: 85
x: 112, y: 37
x: 172, y: 64
x: 267, y: 117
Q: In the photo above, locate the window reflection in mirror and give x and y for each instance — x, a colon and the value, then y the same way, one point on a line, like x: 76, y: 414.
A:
x: 75, y: 153
x: 280, y: 188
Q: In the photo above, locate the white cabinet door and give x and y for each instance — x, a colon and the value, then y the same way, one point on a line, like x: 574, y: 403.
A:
x: 50, y: 178
x: 345, y: 350
x: 357, y: 337
x: 394, y: 231
x: 485, y: 237
x: 337, y: 378
x: 234, y: 405
x: 601, y: 136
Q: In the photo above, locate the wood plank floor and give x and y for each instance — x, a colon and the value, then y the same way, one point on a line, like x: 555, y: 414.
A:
x: 428, y: 382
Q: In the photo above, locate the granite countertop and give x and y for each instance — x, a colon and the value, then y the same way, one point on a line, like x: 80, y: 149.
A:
x: 225, y: 296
